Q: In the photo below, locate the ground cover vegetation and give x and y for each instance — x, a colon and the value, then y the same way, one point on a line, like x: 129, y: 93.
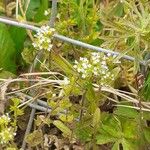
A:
x: 57, y: 95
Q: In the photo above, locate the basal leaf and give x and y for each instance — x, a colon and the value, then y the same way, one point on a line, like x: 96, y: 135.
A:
x: 18, y: 36
x: 7, y: 50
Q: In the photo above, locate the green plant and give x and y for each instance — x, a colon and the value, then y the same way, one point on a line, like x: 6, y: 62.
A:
x: 85, y: 100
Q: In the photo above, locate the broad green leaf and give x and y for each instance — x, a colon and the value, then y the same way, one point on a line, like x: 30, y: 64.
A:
x: 35, y: 138
x: 147, y: 134
x: 126, y: 112
x: 127, y: 145
x: 6, y: 74
x: 83, y: 131
x: 61, y: 126
x: 96, y: 118
x: 32, y: 9
x: 40, y: 13
x: 7, y: 50
x: 146, y: 89
x: 112, y: 126
x: 62, y: 63
x: 105, y: 138
x: 130, y: 129
x: 18, y: 36
x: 116, y: 146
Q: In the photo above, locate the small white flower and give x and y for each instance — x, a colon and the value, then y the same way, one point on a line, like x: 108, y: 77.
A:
x: 76, y: 62
x: 103, y: 72
x: 43, y: 38
x: 83, y: 76
x: 89, y: 65
x: 95, y: 73
x: 109, y: 54
x: 75, y: 66
x: 84, y: 65
x: 103, y: 62
x: 95, y: 61
x: 66, y: 81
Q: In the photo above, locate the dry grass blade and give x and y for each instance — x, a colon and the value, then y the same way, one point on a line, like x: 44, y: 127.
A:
x: 3, y: 101
x: 124, y: 96
x: 133, y: 107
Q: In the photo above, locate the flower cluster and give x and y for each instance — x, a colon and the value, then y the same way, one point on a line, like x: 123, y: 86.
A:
x: 6, y: 133
x: 43, y: 38
x: 4, y: 120
x: 66, y: 81
x: 95, y: 66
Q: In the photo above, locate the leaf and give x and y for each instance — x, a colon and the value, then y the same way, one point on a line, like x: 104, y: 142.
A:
x: 83, y: 131
x: 116, y: 146
x: 105, y: 138
x: 112, y: 126
x: 66, y: 118
x: 35, y: 138
x: 146, y: 89
x: 28, y: 55
x: 90, y: 96
x: 147, y: 134
x: 119, y: 9
x: 127, y: 145
x: 18, y: 35
x: 32, y: 9
x: 40, y: 13
x: 63, y: 64
x: 126, y: 112
x: 96, y: 118
x: 61, y: 126
x: 6, y: 74
x: 130, y: 129
x: 17, y: 111
x: 7, y: 50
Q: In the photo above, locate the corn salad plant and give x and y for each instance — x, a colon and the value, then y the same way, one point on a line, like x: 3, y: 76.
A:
x: 57, y: 95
